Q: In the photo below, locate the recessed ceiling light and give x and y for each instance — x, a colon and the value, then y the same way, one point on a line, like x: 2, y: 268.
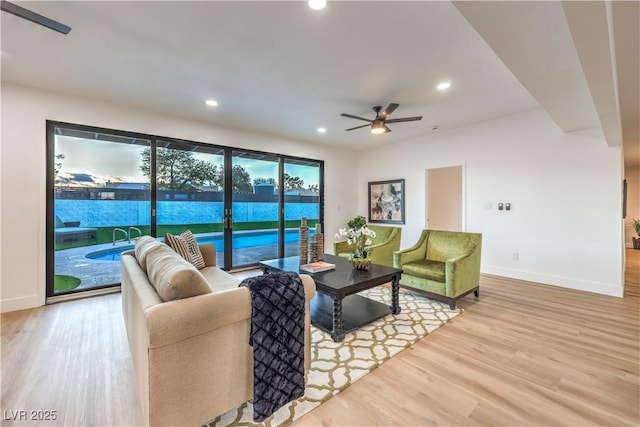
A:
x: 321, y: 130
x: 212, y: 103
x: 317, y: 4
x: 444, y: 86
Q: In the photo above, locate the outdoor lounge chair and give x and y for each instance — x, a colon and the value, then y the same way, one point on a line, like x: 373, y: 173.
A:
x: 71, y: 230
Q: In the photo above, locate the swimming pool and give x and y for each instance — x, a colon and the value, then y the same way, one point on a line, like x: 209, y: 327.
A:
x: 240, y: 240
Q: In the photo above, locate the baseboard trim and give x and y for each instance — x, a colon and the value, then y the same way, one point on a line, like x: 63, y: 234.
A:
x: 559, y: 281
x: 22, y: 303
x: 83, y: 294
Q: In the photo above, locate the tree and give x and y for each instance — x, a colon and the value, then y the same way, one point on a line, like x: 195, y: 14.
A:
x: 179, y: 170
x: 58, y: 165
x: 314, y: 187
x: 292, y: 182
x: 241, y: 180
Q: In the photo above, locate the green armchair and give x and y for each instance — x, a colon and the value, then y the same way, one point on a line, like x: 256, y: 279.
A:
x: 443, y: 265
x: 386, y: 242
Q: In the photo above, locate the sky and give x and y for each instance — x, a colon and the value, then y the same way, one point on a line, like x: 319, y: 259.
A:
x: 102, y: 158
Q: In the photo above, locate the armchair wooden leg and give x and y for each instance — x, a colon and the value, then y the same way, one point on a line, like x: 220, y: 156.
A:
x: 477, y: 292
x: 452, y: 305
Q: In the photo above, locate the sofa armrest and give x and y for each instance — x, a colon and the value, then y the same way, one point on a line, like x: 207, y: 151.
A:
x: 178, y: 320
x: 414, y: 253
x: 463, y: 272
x: 208, y: 254
x: 309, y: 286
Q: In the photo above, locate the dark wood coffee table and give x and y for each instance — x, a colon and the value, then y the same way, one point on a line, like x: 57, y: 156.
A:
x: 335, y: 308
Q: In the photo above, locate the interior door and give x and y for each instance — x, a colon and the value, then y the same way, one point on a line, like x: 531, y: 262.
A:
x: 444, y: 199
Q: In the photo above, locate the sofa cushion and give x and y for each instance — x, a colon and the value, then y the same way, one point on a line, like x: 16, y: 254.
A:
x: 185, y: 245
x: 427, y: 269
x: 142, y: 247
x: 219, y: 280
x: 172, y: 276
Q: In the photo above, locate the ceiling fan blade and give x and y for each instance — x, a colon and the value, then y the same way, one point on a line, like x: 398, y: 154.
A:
x: 21, y: 12
x: 358, y: 127
x: 404, y: 119
x: 390, y: 109
x: 356, y: 117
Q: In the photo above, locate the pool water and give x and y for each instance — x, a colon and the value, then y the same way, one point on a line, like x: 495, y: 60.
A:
x: 240, y: 240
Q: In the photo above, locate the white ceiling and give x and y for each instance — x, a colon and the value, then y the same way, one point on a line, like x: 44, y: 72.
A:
x: 283, y: 69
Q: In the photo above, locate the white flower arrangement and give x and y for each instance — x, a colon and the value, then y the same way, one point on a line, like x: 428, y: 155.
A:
x: 360, y: 238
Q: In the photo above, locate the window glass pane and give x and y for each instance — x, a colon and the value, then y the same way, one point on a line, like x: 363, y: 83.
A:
x: 190, y: 192
x: 302, y: 200
x: 255, y: 207
x: 101, y: 203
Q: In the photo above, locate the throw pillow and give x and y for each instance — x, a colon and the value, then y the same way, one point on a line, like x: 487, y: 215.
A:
x: 185, y: 244
x: 172, y: 276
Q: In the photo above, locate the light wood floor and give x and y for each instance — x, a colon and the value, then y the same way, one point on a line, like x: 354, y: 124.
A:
x: 522, y: 354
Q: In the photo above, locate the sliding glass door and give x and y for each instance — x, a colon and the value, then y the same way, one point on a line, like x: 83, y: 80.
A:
x: 302, y: 183
x: 101, y: 201
x: 190, y: 191
x: 107, y: 187
x: 254, y: 209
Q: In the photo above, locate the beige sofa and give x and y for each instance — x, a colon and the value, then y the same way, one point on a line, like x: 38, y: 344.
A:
x: 191, y: 356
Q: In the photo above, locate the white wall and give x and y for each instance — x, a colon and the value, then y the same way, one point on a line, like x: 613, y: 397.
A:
x: 565, y: 192
x: 22, y: 177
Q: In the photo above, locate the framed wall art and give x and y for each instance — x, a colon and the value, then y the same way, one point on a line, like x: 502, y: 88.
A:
x: 386, y: 201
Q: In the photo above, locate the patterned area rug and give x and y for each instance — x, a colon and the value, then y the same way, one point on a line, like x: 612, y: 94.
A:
x: 335, y: 366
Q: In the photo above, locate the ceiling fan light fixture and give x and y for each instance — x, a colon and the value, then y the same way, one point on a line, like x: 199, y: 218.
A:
x: 377, y: 127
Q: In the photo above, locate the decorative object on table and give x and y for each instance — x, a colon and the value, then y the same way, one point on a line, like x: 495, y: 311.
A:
x: 319, y: 240
x: 359, y: 236
x: 386, y: 242
x: 303, y: 241
x: 635, y: 223
x: 386, y: 201
x: 313, y: 249
x: 361, y: 263
x: 318, y: 266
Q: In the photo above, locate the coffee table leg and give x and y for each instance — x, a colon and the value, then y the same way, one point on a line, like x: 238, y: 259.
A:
x: 395, y: 292
x: 337, y: 334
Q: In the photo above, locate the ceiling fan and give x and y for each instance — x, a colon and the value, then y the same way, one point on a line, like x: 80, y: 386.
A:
x: 379, y: 123
x: 23, y: 13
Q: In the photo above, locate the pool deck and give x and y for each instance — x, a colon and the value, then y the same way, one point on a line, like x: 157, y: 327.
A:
x: 97, y: 273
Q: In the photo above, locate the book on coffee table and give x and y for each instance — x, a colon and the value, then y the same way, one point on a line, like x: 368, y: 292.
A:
x: 315, y: 267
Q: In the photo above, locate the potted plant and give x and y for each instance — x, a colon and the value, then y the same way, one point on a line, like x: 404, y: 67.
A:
x: 635, y: 223
x: 359, y: 236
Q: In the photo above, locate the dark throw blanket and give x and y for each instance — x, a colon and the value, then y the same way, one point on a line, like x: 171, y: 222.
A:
x: 277, y: 338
